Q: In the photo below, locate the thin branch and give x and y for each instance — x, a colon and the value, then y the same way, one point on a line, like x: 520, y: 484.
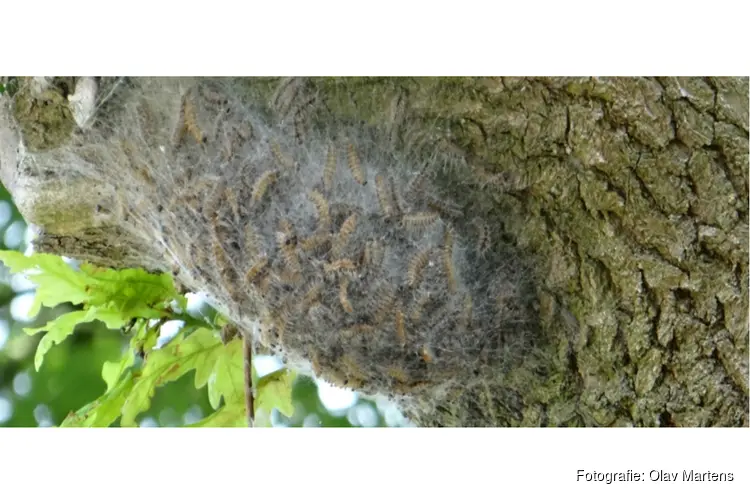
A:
x: 247, y: 345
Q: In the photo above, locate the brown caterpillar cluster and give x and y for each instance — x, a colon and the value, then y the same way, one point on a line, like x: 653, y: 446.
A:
x: 346, y: 253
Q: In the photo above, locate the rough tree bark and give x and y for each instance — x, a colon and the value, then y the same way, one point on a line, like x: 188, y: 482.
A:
x: 630, y: 196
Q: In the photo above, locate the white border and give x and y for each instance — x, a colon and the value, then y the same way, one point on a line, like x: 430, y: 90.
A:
x: 383, y: 37
x: 365, y: 463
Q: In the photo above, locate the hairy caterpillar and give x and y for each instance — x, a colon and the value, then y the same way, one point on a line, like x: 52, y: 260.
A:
x: 231, y: 197
x: 344, y: 297
x: 251, y: 240
x: 255, y: 270
x: 416, y: 268
x: 355, y: 166
x: 444, y: 207
x: 282, y: 160
x: 382, y: 302
x: 450, y: 271
x: 330, y: 168
x: 190, y: 120
x: 299, y: 119
x: 373, y: 253
x: 287, y: 241
x: 419, y: 221
x: 339, y: 265
x: 261, y: 185
x: 315, y: 242
x: 312, y: 295
x: 383, y: 195
x: 347, y: 228
x: 483, y: 238
x: 286, y: 93
x: 321, y: 204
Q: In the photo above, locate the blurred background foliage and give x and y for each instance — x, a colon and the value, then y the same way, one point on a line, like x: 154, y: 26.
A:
x: 71, y: 374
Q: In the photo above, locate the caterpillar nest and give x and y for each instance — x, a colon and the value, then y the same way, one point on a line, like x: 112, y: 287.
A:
x: 333, y: 249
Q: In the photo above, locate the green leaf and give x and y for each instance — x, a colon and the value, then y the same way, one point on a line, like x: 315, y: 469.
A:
x: 58, y: 282
x: 233, y: 415
x: 227, y: 378
x: 130, y: 292
x: 64, y: 325
x: 125, y: 293
x: 113, y: 370
x: 275, y: 391
x: 105, y: 410
x: 169, y: 363
x: 57, y: 330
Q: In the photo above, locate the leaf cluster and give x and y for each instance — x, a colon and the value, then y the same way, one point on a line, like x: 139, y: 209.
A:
x: 140, y: 303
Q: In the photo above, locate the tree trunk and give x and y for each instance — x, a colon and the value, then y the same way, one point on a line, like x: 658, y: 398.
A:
x: 627, y: 198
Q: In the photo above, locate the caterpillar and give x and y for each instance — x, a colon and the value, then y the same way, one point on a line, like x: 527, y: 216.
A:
x: 251, y: 241
x: 255, y: 270
x: 344, y: 297
x: 443, y: 206
x: 373, y: 253
x: 419, y: 221
x: 231, y: 197
x: 339, y: 265
x: 226, y: 272
x: 220, y: 257
x: 347, y: 228
x: 190, y: 120
x: 382, y: 303
x: 284, y: 161
x: 321, y: 205
x: 483, y: 239
x: 448, y: 260
x: 287, y: 241
x: 383, y: 195
x: 211, y: 205
x: 355, y: 167
x: 262, y: 184
x: 286, y: 93
x: 299, y: 119
x: 315, y: 242
x: 416, y: 267
x: 312, y: 295
x: 329, y: 171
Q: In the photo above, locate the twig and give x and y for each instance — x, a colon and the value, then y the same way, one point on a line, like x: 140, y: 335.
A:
x: 247, y: 345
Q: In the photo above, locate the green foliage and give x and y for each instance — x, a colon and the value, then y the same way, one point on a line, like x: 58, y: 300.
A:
x: 232, y: 415
x: 60, y: 328
x: 136, y: 301
x: 275, y: 391
x: 105, y: 410
x: 125, y: 293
